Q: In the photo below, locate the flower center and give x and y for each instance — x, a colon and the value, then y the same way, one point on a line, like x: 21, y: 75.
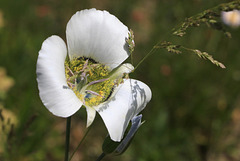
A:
x: 92, y: 82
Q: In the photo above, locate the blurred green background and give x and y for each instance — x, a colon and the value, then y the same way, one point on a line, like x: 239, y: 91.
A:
x: 194, y: 114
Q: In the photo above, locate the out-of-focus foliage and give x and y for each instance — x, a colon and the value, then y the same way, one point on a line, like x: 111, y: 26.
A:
x: 195, y: 110
x: 7, y: 118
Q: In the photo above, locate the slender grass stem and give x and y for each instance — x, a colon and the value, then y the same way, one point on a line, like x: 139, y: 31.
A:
x: 80, y: 143
x: 154, y: 48
x: 131, y: 58
x: 101, y: 157
x: 145, y: 57
x: 68, y: 127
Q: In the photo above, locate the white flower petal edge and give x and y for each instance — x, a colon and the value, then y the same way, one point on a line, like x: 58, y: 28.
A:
x: 131, y: 98
x: 97, y: 35
x: 53, y: 89
x: 231, y: 18
x: 91, y: 113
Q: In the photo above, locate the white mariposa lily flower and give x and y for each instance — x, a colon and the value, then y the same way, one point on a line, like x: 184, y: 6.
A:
x: 231, y: 18
x: 92, y: 75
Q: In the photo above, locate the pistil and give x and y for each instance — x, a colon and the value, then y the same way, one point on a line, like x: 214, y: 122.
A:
x: 89, y: 80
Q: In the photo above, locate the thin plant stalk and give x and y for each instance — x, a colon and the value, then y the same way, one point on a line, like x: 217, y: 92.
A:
x: 80, y: 143
x: 101, y: 157
x: 68, y: 127
x: 145, y: 57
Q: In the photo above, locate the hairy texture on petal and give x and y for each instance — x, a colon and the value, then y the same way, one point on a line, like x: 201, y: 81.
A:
x: 98, y: 35
x: 131, y: 98
x: 53, y: 89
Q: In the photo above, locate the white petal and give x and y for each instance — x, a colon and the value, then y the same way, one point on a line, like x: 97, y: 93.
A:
x: 53, y: 91
x: 231, y: 18
x: 131, y: 97
x: 91, y: 113
x: 120, y: 70
x: 98, y: 35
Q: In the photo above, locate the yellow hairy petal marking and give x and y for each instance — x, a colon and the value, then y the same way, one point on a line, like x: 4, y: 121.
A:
x: 89, y: 80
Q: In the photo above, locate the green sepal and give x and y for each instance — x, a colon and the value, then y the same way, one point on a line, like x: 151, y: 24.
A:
x: 117, y: 148
x: 109, y: 145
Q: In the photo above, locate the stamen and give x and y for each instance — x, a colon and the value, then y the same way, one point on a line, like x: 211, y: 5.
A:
x: 94, y: 93
x: 97, y: 81
x: 85, y: 65
x: 70, y: 71
x: 87, y: 79
x: 92, y: 82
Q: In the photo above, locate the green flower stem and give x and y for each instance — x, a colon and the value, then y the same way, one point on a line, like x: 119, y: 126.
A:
x: 80, y: 143
x: 68, y: 127
x: 101, y: 157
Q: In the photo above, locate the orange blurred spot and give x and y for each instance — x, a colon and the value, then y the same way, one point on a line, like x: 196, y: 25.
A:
x: 137, y: 15
x: 42, y: 11
x: 236, y: 115
x: 165, y: 70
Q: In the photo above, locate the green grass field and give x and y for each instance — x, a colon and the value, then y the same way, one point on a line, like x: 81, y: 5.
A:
x: 194, y: 114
